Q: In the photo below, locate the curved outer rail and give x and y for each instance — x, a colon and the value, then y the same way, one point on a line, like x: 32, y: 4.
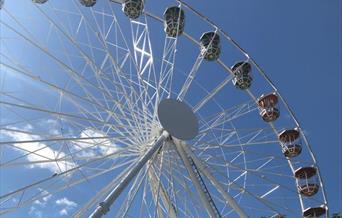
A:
x: 264, y: 75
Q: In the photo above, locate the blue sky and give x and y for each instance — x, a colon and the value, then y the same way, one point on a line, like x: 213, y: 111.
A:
x: 298, y: 44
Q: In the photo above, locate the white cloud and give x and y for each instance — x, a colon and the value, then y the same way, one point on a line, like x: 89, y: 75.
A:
x: 34, y: 212
x: 92, y: 147
x: 66, y: 204
x: 43, y: 200
x: 63, y: 212
x: 52, y: 125
x: 38, y: 151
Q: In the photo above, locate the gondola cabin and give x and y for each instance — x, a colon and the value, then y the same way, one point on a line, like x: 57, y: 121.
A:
x: 174, y: 21
x: 314, y: 211
x: 267, y: 105
x: 88, y: 3
x: 290, y: 142
x: 242, y: 75
x: 133, y: 8
x: 210, y: 46
x: 39, y: 1
x: 307, y: 181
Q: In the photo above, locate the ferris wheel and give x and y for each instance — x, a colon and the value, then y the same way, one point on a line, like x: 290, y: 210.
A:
x: 139, y: 108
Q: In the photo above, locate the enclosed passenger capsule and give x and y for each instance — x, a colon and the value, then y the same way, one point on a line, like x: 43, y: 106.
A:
x: 268, y: 110
x: 133, y: 8
x: 88, y: 3
x: 242, y: 71
x: 314, y: 211
x: 290, y: 142
x: 307, y: 181
x: 210, y: 46
x: 174, y: 21
x: 39, y: 1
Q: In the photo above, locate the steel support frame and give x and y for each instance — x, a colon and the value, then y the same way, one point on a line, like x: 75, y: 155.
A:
x: 203, y: 169
x: 104, y: 206
x: 188, y: 165
x: 155, y: 185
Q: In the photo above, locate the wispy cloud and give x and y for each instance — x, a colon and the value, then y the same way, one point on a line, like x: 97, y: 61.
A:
x: 42, y: 202
x: 47, y: 157
x: 66, y: 204
x: 34, y: 212
x: 63, y: 212
x: 92, y: 147
x: 37, y: 151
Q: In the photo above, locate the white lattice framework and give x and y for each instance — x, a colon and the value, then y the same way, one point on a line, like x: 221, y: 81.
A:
x: 100, y: 78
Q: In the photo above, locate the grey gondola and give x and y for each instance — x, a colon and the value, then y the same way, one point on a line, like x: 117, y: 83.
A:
x: 133, y: 8
x: 88, y: 3
x: 242, y: 79
x: 39, y: 1
x: 174, y: 21
x: 210, y: 46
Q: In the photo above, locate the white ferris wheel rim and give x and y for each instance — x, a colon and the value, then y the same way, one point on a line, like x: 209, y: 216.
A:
x: 254, y: 98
